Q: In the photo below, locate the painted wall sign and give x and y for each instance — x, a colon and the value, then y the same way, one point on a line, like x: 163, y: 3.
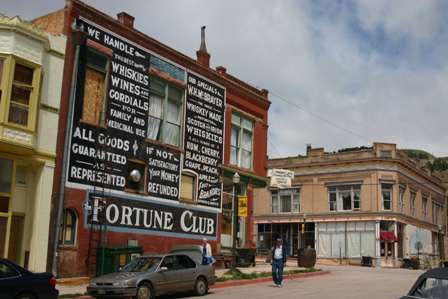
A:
x: 100, y: 152
x: 128, y: 215
x: 204, y: 137
x: 163, y: 172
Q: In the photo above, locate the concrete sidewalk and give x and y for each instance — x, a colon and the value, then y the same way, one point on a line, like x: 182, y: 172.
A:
x: 79, y: 285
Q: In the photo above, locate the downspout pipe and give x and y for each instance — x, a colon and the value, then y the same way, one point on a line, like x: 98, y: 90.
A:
x: 68, y: 128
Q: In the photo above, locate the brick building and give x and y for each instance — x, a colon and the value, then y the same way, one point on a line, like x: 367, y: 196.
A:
x: 148, y: 142
x: 370, y: 201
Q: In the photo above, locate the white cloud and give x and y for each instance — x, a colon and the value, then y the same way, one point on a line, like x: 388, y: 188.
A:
x: 325, y: 56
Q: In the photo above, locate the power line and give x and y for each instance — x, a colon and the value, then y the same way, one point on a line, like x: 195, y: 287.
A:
x: 329, y: 122
x: 274, y: 147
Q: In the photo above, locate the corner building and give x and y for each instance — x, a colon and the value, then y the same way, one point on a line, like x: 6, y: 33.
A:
x: 149, y: 140
x: 31, y: 65
x: 371, y: 201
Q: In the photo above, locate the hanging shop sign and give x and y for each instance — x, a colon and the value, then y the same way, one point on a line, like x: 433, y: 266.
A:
x: 280, y: 178
x: 242, y: 206
x: 148, y: 217
x: 204, y: 137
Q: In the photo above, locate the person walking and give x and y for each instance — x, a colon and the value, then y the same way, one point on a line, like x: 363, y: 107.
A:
x: 279, y: 258
x: 206, y: 252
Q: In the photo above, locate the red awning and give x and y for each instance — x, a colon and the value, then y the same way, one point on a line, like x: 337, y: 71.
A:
x: 388, y: 236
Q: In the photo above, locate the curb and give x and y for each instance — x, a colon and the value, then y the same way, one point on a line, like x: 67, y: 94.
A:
x: 234, y: 283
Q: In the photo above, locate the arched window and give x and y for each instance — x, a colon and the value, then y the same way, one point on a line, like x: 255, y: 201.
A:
x: 68, y: 231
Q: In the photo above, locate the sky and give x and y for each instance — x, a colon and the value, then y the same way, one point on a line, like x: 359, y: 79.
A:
x: 340, y: 73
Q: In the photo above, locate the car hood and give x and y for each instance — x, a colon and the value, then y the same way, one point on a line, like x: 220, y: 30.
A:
x: 117, y: 276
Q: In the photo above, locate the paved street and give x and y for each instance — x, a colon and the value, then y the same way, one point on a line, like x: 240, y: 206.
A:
x: 343, y: 283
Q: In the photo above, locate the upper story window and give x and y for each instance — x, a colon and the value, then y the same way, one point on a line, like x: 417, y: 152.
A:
x: 401, y: 199
x: 241, y: 142
x: 22, y: 88
x: 95, y: 84
x: 386, y: 193
x: 165, y: 112
x: 425, y: 207
x: 286, y: 201
x: 19, y: 89
x: 412, y: 205
x: 344, y: 197
x: 385, y: 153
x: 436, y: 213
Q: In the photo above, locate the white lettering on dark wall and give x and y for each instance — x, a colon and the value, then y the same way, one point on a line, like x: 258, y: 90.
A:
x: 119, y: 212
x: 204, y: 137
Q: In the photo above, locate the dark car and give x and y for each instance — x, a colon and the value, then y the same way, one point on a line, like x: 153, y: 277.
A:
x: 19, y: 283
x: 433, y: 284
x: 151, y: 275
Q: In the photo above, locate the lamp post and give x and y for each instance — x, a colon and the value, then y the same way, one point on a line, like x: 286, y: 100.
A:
x: 440, y: 240
x: 303, y: 230
x: 236, y: 181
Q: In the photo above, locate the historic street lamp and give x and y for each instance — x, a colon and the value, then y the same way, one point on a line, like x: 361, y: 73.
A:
x: 236, y: 181
x: 303, y: 230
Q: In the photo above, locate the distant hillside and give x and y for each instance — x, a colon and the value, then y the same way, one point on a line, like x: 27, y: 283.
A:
x: 433, y: 163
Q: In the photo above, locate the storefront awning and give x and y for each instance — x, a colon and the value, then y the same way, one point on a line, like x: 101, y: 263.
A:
x: 246, y: 177
x: 388, y: 236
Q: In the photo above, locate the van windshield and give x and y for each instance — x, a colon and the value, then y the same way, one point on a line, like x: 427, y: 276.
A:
x: 142, y: 264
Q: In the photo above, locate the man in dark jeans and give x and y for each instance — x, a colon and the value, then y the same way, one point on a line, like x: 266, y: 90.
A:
x: 279, y: 258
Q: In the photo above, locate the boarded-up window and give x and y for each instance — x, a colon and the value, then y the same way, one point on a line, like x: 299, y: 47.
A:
x: 187, y: 192
x: 22, y: 88
x: 94, y: 88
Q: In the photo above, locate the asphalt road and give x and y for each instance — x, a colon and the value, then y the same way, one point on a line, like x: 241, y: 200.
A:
x: 344, y: 282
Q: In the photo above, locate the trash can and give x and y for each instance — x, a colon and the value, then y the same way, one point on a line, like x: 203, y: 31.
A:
x: 245, y: 257
x: 110, y: 259
x: 306, y: 257
x: 366, y: 261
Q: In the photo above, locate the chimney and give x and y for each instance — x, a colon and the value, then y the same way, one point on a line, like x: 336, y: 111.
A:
x: 264, y: 93
x: 202, y: 56
x: 126, y: 19
x: 220, y: 69
x: 308, y: 149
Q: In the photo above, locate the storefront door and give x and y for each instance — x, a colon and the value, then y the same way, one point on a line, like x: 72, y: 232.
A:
x: 6, y: 175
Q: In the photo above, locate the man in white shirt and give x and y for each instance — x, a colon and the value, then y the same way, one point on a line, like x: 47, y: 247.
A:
x: 279, y: 258
x: 206, y: 252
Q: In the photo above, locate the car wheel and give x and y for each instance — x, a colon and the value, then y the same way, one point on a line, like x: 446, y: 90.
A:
x: 145, y: 291
x: 201, y: 286
x: 25, y: 296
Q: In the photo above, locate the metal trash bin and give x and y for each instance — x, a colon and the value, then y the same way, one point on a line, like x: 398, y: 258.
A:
x: 109, y: 259
x: 306, y: 257
x: 366, y: 261
x: 245, y: 257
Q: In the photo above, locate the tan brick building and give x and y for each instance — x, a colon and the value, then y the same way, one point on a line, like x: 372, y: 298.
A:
x: 369, y: 201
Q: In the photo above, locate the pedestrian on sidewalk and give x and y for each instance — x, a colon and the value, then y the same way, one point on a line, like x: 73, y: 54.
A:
x: 278, y: 259
x: 207, y: 257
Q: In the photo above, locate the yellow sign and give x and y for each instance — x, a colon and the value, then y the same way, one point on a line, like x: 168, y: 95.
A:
x: 242, y: 206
